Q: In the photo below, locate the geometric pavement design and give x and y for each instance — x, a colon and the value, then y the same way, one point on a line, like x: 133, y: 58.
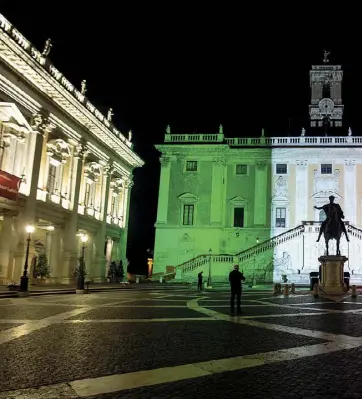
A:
x: 179, y: 344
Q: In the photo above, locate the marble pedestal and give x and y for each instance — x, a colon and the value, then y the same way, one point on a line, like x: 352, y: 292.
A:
x: 331, y: 279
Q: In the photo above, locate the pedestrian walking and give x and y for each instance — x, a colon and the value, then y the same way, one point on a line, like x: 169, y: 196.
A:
x: 235, y: 279
x: 199, y: 281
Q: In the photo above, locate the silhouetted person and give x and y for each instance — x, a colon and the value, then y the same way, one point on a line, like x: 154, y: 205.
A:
x: 199, y: 281
x: 235, y: 278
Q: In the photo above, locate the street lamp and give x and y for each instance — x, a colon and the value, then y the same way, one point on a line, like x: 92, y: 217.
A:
x: 209, y: 278
x: 254, y: 279
x: 24, y: 279
x: 81, y: 271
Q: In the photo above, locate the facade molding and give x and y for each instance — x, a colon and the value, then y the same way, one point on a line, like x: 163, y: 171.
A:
x: 21, y: 56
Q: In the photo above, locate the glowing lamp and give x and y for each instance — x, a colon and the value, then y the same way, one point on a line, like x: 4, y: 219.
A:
x: 29, y: 229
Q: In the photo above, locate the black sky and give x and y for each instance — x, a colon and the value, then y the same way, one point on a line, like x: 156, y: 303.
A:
x: 192, y: 69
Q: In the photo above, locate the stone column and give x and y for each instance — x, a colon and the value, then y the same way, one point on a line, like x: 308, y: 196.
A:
x: 100, y: 261
x: 55, y: 256
x: 40, y: 125
x: 71, y: 252
x: 124, y: 234
x: 217, y: 191
x: 301, y: 192
x: 261, y: 193
x: 350, y: 191
x: 164, y: 188
x: 8, y: 241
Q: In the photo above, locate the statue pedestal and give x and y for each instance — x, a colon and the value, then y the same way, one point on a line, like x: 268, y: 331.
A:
x: 331, y: 279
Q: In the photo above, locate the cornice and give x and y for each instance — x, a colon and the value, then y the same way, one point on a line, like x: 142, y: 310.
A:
x: 29, y: 63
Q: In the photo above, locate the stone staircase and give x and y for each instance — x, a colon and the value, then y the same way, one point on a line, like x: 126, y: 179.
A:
x: 222, y: 264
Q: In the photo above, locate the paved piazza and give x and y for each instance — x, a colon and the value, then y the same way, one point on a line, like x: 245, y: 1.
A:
x: 162, y: 343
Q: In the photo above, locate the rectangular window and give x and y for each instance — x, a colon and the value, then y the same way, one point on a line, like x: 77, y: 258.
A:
x: 191, y: 166
x: 280, y: 216
x: 87, y: 194
x: 113, y: 205
x: 281, y: 169
x: 326, y: 169
x: 238, y: 217
x: 188, y: 216
x: 241, y: 169
x: 52, y: 175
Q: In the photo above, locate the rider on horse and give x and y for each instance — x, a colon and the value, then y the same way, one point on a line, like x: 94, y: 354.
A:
x: 332, y: 210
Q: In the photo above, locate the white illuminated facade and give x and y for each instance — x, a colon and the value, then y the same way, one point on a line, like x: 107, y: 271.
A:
x: 75, y: 168
x: 251, y: 201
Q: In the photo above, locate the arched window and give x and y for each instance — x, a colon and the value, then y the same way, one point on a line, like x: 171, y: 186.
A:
x: 322, y: 216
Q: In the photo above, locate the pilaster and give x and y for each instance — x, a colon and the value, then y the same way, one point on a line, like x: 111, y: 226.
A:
x: 350, y: 191
x: 55, y: 254
x: 301, y: 192
x: 124, y: 234
x: 217, y: 191
x: 163, y: 192
x: 8, y: 241
x: 100, y: 261
x: 260, y: 209
x: 71, y: 227
x: 41, y: 125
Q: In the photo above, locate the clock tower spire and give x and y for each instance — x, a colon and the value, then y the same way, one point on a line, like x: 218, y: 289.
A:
x: 326, y: 108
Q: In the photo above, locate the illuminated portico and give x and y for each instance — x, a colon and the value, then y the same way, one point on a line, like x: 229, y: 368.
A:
x: 75, y: 167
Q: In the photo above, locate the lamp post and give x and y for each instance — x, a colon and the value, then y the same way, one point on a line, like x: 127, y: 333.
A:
x: 80, y: 277
x: 24, y: 279
x: 209, y: 282
x: 254, y: 279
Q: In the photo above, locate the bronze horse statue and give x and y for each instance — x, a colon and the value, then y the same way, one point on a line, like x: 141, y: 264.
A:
x: 333, y: 226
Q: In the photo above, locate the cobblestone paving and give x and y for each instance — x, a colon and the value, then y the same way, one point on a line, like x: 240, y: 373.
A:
x: 179, y: 344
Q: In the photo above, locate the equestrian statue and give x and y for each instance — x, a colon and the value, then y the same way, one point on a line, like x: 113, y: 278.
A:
x: 333, y: 226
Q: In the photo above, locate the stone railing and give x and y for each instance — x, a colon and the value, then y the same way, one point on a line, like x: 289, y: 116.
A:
x: 354, y: 231
x: 294, y: 141
x: 263, y: 141
x: 243, y: 256
x: 194, y: 138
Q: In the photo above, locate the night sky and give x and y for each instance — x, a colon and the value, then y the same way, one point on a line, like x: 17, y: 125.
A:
x: 191, y: 69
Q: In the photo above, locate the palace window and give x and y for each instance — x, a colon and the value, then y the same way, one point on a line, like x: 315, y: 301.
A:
x: 188, y: 215
x: 115, y: 205
x: 89, y: 195
x: 241, y: 169
x: 238, y: 217
x: 51, y: 178
x: 280, y: 216
x: 54, y: 176
x: 191, y: 166
x: 326, y: 169
x: 281, y: 169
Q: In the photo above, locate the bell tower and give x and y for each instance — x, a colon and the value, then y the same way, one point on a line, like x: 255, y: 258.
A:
x: 326, y: 109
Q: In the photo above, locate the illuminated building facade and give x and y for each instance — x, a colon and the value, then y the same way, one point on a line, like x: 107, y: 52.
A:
x: 64, y: 168
x: 251, y: 200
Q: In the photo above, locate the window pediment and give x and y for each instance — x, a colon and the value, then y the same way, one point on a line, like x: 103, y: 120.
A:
x: 59, y: 150
x: 280, y: 201
x: 92, y: 171
x: 188, y: 198
x: 238, y: 201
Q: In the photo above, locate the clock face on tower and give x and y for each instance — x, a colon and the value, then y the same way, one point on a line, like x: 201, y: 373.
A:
x: 326, y: 106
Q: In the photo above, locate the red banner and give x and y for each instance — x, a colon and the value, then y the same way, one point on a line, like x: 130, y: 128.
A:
x: 9, y: 185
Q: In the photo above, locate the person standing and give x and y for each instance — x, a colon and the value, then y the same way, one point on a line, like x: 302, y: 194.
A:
x: 235, y: 279
x: 199, y: 281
